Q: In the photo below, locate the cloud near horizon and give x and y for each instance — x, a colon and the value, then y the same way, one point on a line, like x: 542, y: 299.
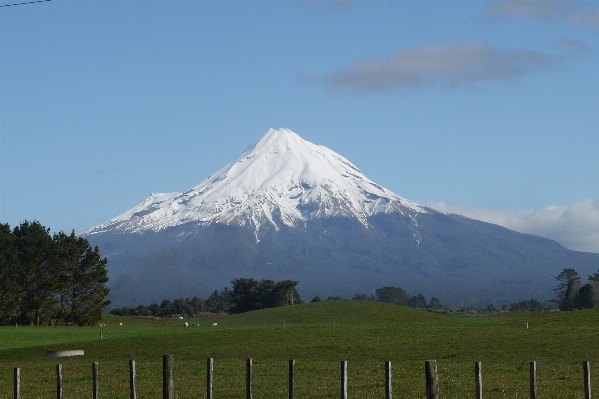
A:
x: 449, y: 65
x: 575, y: 225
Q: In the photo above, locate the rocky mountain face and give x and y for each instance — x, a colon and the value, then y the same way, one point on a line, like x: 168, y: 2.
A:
x: 289, y: 209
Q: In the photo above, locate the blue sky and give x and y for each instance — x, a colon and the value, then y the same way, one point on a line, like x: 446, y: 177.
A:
x: 485, y: 108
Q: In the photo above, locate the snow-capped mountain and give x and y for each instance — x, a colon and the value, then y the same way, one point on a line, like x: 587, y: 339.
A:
x: 289, y: 209
x: 281, y: 178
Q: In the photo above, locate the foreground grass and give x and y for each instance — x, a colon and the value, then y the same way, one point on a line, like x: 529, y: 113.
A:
x: 318, y: 336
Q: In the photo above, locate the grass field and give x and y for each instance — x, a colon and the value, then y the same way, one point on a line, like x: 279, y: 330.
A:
x: 318, y: 336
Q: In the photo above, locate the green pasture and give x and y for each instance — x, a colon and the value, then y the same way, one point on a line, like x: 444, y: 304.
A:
x: 318, y: 336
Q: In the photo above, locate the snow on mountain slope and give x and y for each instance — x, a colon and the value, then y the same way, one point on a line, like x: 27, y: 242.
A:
x: 279, y: 179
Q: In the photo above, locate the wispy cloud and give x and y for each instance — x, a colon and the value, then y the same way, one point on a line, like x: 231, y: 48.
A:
x: 334, y: 4
x: 571, y: 46
x: 102, y: 172
x: 585, y: 18
x: 449, y: 65
x: 543, y: 9
x: 570, y: 11
x: 574, y: 225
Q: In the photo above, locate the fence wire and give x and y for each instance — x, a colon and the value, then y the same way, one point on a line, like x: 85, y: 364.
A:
x: 313, y: 379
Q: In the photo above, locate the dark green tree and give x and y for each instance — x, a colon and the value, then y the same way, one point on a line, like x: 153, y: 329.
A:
x: 142, y: 310
x: 417, y: 301
x: 394, y: 295
x: 363, y: 297
x: 435, y: 303
x: 594, y: 280
x: 567, y: 289
x: 154, y: 309
x: 586, y: 297
x: 316, y: 299
x: 83, y: 276
x: 183, y: 307
x: 219, y: 301
x: 250, y: 294
x: 244, y: 295
x: 491, y: 308
x: 166, y: 308
x: 10, y: 292
x: 198, y: 305
x: 526, y: 306
x: 38, y: 272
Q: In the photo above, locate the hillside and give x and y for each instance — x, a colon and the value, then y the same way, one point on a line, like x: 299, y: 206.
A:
x: 318, y: 336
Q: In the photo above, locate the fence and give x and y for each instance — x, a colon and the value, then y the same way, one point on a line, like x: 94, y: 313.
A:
x: 168, y: 385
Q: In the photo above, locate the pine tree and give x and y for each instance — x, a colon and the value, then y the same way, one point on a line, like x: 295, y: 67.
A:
x: 394, y: 295
x: 10, y: 292
x: 219, y: 302
x: 567, y: 290
x: 83, y: 277
x: 417, y: 301
x: 37, y: 272
x: 435, y: 303
x: 586, y: 297
x: 249, y: 294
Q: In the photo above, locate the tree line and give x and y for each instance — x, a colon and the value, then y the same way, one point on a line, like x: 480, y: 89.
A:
x: 50, y: 279
x: 571, y: 294
x: 394, y: 295
x: 250, y: 294
x: 247, y: 294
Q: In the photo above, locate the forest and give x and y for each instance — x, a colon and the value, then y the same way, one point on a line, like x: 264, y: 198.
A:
x: 50, y: 279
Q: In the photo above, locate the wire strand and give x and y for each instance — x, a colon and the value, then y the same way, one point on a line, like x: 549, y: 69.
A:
x: 20, y: 4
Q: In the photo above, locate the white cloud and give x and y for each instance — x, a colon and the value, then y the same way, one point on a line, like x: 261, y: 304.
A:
x: 574, y: 225
x: 448, y: 65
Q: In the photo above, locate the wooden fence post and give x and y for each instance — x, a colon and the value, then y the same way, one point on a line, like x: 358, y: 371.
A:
x: 95, y: 380
x: 291, y: 378
x: 432, y: 380
x: 533, y: 380
x: 168, y: 383
x: 209, y: 377
x: 478, y: 379
x: 248, y: 379
x: 17, y: 381
x: 132, y: 389
x: 388, y: 384
x: 344, y: 379
x: 586, y: 368
x: 59, y: 381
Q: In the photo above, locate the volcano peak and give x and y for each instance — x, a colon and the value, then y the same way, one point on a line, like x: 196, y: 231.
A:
x: 281, y: 178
